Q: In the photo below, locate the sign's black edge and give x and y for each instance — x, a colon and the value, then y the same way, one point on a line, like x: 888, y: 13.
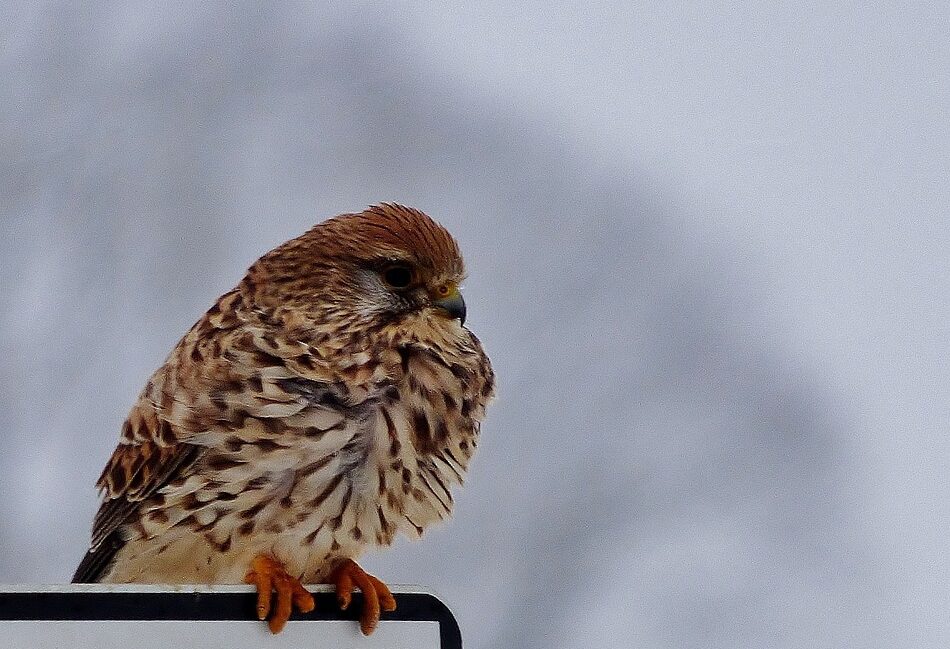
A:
x: 410, y: 607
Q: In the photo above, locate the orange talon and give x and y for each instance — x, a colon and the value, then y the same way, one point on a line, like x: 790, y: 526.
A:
x: 303, y: 600
x: 375, y: 593
x: 267, y: 574
x: 386, y: 599
x: 344, y: 588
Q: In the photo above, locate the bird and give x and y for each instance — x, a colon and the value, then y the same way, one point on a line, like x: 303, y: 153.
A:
x: 329, y: 403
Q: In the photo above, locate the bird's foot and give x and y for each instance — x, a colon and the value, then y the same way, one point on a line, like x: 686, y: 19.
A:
x: 376, y: 595
x: 269, y: 575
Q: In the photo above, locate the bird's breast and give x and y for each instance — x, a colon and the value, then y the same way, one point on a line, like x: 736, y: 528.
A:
x: 327, y: 482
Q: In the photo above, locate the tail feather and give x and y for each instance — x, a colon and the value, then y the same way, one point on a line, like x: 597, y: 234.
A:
x: 98, y: 561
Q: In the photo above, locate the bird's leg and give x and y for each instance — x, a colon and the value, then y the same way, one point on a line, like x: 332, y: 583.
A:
x: 375, y: 593
x: 268, y: 574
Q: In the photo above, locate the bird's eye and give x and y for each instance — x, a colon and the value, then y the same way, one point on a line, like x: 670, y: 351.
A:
x: 398, y: 276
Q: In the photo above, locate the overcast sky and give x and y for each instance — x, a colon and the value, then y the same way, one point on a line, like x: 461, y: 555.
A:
x: 707, y: 246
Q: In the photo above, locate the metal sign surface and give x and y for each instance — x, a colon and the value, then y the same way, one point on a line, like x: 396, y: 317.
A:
x: 202, y: 617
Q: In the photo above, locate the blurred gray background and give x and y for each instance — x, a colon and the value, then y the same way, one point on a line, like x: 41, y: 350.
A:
x: 708, y: 253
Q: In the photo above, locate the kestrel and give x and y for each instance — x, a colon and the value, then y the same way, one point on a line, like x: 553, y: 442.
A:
x: 329, y: 402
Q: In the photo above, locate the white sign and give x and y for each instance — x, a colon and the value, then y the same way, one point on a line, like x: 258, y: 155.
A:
x: 87, y: 616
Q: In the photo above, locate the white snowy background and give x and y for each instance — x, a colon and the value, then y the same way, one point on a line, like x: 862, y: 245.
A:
x: 708, y: 253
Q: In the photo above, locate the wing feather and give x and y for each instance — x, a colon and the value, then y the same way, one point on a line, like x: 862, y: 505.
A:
x: 134, y: 472
x: 226, y: 380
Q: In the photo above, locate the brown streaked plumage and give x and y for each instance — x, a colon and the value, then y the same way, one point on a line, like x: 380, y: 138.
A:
x: 329, y: 402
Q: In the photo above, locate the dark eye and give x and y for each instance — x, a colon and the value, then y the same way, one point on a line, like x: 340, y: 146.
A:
x: 398, y: 276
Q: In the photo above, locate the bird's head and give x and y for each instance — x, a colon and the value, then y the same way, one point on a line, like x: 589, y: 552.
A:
x: 389, y: 265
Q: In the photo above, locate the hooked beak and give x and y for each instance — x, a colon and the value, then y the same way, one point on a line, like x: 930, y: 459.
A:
x: 452, y: 304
